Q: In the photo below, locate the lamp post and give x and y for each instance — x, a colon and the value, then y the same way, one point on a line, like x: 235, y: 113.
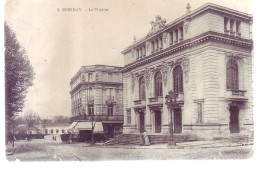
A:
x: 92, y: 142
x: 171, y: 103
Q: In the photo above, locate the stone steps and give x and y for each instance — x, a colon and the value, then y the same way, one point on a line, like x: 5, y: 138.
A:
x: 126, y: 139
x: 136, y: 139
x: 158, y: 139
x: 238, y: 138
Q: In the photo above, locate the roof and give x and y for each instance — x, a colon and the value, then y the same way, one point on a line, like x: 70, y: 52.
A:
x: 94, y: 68
x: 208, y: 6
x: 85, y: 125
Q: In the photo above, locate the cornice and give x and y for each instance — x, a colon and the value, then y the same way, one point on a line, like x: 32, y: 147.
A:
x: 93, y: 85
x: 205, y: 37
x: 96, y: 68
x: 205, y: 8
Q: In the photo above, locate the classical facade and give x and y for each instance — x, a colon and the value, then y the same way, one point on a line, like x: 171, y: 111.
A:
x: 97, y: 90
x: 205, y: 58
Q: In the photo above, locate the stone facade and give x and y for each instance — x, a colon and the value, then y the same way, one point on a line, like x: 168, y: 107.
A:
x: 98, y: 90
x: 201, y: 43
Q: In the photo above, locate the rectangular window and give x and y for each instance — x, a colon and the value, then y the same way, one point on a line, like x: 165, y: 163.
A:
x: 152, y: 46
x: 225, y: 24
x: 161, y: 43
x: 90, y: 77
x: 176, y: 35
x: 110, y: 94
x: 199, y: 111
x: 231, y: 27
x: 90, y: 109
x: 83, y: 78
x: 238, y: 23
x: 181, y: 33
x: 144, y: 53
x: 171, y: 38
x: 110, y: 110
x: 141, y: 53
x: 110, y: 77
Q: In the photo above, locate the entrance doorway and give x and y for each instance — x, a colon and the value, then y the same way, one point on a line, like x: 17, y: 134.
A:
x: 158, y: 121
x: 177, y: 121
x: 141, y: 119
x: 234, y: 119
x: 110, y: 130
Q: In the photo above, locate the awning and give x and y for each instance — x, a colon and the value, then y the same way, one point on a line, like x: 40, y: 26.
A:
x: 98, y: 127
x: 113, y: 122
x: 72, y: 126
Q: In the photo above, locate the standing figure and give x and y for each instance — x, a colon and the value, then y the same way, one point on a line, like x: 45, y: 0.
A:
x: 146, y: 139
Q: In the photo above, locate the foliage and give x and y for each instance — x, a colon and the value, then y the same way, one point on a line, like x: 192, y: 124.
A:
x: 18, y: 74
x: 32, y: 119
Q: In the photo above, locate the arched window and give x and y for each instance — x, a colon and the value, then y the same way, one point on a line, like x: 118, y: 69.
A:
x: 232, y: 74
x: 158, y: 84
x: 178, y: 79
x: 141, y: 89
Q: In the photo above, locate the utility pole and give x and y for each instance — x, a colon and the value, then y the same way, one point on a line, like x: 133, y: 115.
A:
x: 171, y: 102
x: 92, y: 141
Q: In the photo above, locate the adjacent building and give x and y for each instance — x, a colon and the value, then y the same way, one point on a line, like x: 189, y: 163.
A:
x: 205, y: 57
x: 97, y: 94
x: 56, y: 125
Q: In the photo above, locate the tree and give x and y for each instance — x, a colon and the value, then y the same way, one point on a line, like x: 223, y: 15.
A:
x: 19, y: 74
x: 32, y: 119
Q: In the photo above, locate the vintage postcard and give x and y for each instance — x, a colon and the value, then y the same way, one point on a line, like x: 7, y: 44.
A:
x: 117, y: 80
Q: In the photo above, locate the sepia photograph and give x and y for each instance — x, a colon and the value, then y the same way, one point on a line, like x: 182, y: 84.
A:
x: 90, y: 80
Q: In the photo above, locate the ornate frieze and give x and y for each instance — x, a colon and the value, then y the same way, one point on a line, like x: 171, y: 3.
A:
x: 186, y: 25
x: 240, y: 105
x: 186, y: 68
x: 132, y: 81
x: 152, y: 57
x: 140, y: 110
x: 147, y: 76
x: 157, y: 25
x: 165, y: 71
x: 128, y: 113
x: 235, y: 56
x: 171, y: 64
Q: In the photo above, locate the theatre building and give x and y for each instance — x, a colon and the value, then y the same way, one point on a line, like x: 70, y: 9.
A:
x: 96, y: 93
x: 205, y: 58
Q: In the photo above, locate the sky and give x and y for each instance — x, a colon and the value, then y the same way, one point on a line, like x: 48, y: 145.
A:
x: 59, y: 42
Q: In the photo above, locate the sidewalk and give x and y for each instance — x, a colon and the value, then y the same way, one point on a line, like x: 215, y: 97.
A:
x: 9, y: 150
x: 184, y: 145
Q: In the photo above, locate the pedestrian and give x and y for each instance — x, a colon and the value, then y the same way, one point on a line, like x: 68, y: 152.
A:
x: 146, y: 139
x: 70, y: 138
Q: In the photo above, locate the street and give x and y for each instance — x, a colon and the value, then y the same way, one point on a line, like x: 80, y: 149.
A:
x: 47, y: 150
